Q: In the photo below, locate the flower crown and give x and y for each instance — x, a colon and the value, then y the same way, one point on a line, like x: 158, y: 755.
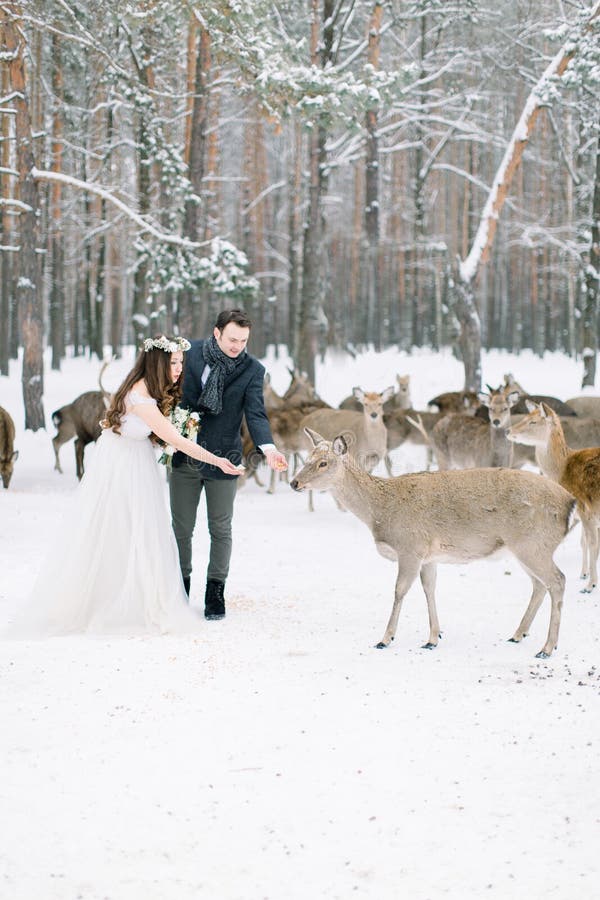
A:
x: 169, y: 346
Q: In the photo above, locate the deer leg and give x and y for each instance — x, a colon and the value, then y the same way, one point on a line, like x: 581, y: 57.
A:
x: 57, y: 444
x: 252, y: 467
x: 537, y: 595
x: 585, y: 560
x: 407, y: 572
x: 545, y: 574
x: 272, y: 482
x: 388, y: 465
x: 79, y: 448
x: 298, y: 462
x: 557, y: 590
x: 428, y: 580
x: 590, y: 530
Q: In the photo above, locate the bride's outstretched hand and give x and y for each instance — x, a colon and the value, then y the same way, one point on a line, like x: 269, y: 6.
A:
x: 228, y: 467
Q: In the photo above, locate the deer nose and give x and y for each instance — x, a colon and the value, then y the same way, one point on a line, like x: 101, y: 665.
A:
x: 495, y: 422
x: 294, y: 484
x: 373, y: 415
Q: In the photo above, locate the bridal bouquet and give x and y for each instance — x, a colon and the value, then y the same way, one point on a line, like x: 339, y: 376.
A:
x: 187, y: 424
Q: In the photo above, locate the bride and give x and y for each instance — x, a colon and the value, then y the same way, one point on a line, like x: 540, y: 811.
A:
x: 115, y: 567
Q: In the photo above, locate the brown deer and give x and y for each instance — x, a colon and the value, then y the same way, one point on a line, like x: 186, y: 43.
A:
x: 468, y: 442
x: 400, y: 399
x: 81, y: 420
x: 585, y: 406
x: 578, y: 471
x: 300, y: 394
x: 455, y: 402
x: 365, y: 431
x: 520, y: 408
x: 8, y: 454
x: 422, y: 519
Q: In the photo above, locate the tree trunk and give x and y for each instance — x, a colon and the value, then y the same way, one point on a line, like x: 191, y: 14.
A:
x: 592, y: 283
x: 191, y: 317
x: 29, y: 291
x: 372, y: 298
x: 57, y: 253
x: 312, y: 318
x: 469, y: 340
x: 295, y: 239
x: 5, y: 233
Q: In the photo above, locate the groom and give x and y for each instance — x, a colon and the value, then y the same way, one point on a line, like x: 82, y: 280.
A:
x: 223, y: 383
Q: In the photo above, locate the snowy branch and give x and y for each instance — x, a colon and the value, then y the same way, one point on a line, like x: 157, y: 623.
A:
x: 105, y: 194
x: 512, y: 157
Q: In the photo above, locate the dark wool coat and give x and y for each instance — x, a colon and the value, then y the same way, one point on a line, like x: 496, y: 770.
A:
x: 242, y: 396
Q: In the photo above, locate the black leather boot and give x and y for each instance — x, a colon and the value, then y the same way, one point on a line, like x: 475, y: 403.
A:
x: 214, y: 600
x: 186, y: 583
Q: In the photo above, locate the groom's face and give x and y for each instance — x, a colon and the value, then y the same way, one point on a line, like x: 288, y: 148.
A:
x: 233, y: 339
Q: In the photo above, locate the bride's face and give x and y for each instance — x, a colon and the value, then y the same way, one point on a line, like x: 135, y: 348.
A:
x: 176, y: 365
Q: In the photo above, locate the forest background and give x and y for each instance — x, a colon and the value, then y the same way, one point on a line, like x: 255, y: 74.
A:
x: 415, y: 173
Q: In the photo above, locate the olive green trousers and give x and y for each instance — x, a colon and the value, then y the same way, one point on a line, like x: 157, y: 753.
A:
x: 186, y: 484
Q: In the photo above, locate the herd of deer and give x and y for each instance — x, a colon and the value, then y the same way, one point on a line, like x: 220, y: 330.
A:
x: 479, y: 501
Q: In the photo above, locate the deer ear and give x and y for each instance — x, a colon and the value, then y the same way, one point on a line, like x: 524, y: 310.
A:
x: 530, y: 406
x: 389, y: 392
x: 513, y: 398
x: 340, y: 447
x: 15, y: 455
x: 358, y: 393
x: 483, y: 398
x: 313, y: 436
x: 267, y: 378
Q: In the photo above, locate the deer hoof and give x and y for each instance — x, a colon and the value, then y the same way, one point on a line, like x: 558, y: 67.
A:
x: 587, y: 590
x: 381, y: 646
x: 542, y: 655
x: 428, y: 646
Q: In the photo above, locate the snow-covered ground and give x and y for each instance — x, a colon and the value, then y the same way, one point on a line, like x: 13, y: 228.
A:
x: 279, y: 756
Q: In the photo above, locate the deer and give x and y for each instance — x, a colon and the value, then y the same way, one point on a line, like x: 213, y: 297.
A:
x: 585, y: 406
x: 455, y: 402
x: 578, y: 471
x: 421, y: 519
x: 365, y: 431
x: 581, y: 431
x: 81, y: 420
x: 8, y: 454
x: 559, y: 406
x: 401, y: 428
x: 300, y: 394
x: 400, y: 399
x: 464, y: 442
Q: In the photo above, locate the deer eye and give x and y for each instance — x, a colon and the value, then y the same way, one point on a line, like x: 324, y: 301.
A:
x: 322, y: 464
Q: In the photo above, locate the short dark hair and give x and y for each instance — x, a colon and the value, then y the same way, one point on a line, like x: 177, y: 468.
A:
x: 238, y: 316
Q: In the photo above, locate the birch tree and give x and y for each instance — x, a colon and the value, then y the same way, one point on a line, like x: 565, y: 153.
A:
x: 470, y: 338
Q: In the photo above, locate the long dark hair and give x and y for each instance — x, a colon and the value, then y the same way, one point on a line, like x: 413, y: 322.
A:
x: 154, y: 368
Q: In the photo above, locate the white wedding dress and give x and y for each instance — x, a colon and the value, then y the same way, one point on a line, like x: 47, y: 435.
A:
x: 115, y: 567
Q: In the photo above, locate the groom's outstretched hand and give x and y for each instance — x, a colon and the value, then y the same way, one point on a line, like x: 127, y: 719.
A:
x: 276, y: 460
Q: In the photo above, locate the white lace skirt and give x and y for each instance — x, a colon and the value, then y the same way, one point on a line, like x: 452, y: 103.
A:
x: 114, y: 568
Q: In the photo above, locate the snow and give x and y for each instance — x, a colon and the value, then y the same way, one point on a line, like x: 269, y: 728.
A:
x: 280, y: 755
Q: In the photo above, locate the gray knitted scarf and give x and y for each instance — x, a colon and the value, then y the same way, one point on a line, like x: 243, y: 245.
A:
x: 221, y: 365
